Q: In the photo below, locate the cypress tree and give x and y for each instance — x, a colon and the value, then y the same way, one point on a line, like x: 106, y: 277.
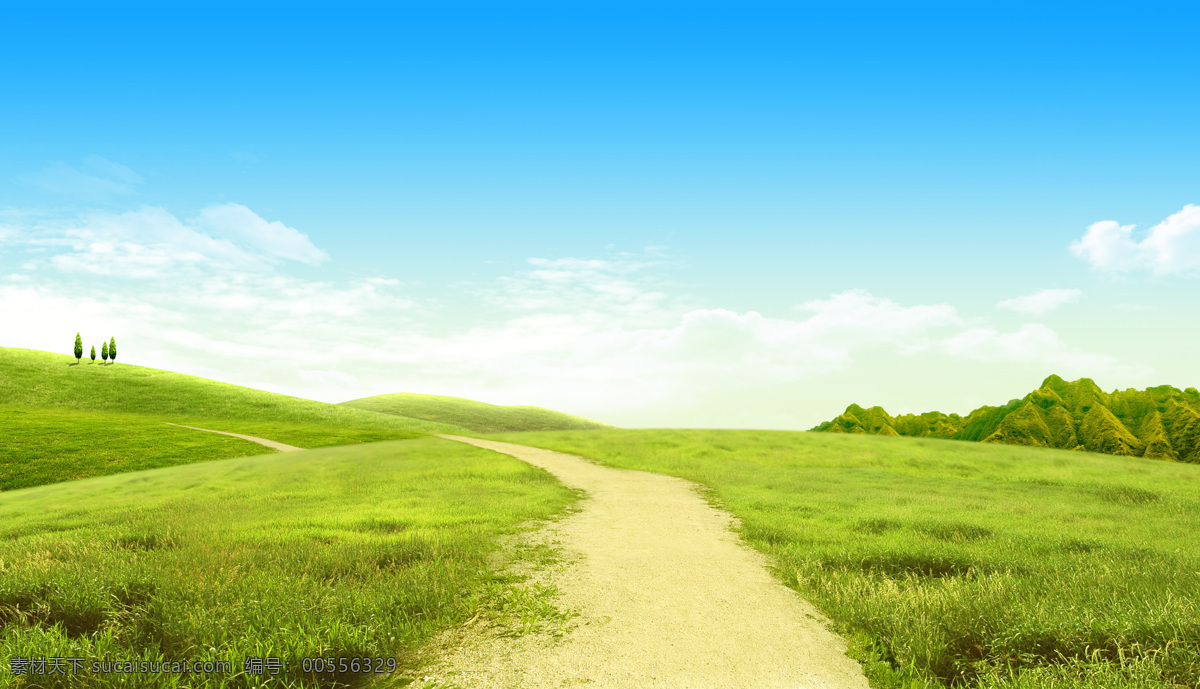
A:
x: 104, y: 351
x: 112, y: 348
x: 93, y: 353
x: 78, y: 348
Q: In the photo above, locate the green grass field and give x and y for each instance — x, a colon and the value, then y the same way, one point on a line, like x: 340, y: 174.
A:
x: 956, y: 564
x: 42, y: 446
x: 476, y: 416
x: 64, y: 421
x: 358, y: 551
x: 944, y: 564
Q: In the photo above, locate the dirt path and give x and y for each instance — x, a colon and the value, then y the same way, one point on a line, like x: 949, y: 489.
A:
x: 667, y: 596
x: 261, y: 441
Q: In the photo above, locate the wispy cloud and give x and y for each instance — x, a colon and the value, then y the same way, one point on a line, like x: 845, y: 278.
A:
x: 96, y: 178
x: 270, y: 239
x: 856, y: 317
x: 1041, y: 302
x: 151, y: 242
x: 1170, y: 247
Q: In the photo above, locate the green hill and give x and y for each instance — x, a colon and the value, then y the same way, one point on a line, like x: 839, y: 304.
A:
x: 476, y: 416
x: 66, y: 421
x: 1159, y: 422
x: 30, y: 378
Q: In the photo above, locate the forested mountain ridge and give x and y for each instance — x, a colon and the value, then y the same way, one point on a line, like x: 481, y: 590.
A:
x: 1160, y: 422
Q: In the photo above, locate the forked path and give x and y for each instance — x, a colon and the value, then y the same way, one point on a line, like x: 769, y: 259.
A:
x: 667, y: 594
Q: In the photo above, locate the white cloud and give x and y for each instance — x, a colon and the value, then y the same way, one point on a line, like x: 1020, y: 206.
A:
x: 596, y: 328
x: 111, y: 170
x: 272, y: 239
x: 622, y: 286
x: 1041, y: 302
x: 1037, y: 345
x: 151, y: 242
x: 100, y: 178
x: 855, y: 316
x: 1170, y: 247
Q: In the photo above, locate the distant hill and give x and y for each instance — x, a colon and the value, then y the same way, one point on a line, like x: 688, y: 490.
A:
x: 476, y: 416
x: 60, y: 420
x: 1159, y: 422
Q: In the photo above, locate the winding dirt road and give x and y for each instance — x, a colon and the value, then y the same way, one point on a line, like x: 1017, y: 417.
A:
x: 668, y: 597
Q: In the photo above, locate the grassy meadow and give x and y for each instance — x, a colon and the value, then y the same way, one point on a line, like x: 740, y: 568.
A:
x: 955, y: 564
x: 943, y: 563
x: 476, y: 416
x: 63, y: 421
x: 358, y: 551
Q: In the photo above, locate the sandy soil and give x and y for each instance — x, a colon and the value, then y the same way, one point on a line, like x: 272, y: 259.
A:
x: 667, y: 596
x: 261, y: 441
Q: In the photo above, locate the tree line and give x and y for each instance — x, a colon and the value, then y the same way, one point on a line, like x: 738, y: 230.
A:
x: 108, y: 350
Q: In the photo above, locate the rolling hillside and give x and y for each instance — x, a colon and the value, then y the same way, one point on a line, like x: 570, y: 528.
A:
x: 1159, y: 422
x: 34, y: 379
x: 476, y: 416
x: 64, y: 421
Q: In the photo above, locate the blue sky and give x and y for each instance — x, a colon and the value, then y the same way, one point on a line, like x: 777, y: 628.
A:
x: 587, y: 205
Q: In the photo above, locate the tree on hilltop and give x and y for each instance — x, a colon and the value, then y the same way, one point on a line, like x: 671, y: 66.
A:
x: 104, y: 351
x: 112, y: 348
x: 93, y: 353
x: 78, y: 348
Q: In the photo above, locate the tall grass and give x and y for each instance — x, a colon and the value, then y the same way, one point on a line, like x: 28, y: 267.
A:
x: 360, y: 551
x: 953, y: 564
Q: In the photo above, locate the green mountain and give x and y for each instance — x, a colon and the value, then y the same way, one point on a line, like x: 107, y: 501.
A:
x: 480, y: 417
x: 1159, y: 422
